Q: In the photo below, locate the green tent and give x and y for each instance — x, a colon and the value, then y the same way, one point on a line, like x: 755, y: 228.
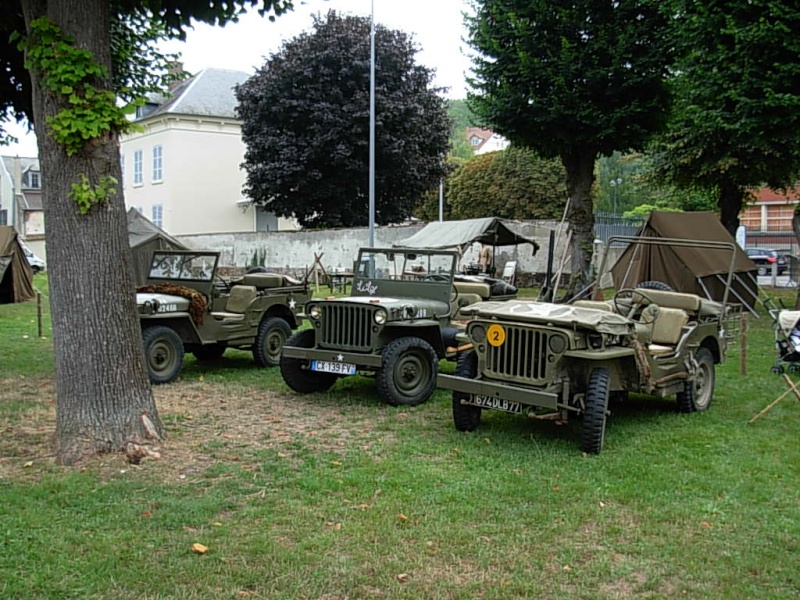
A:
x: 16, y: 275
x: 491, y: 231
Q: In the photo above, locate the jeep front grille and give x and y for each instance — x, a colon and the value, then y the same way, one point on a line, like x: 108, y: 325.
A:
x: 346, y: 327
x: 522, y: 357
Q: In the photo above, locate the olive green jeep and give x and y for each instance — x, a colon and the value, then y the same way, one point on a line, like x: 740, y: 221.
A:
x: 569, y: 358
x: 398, y: 323
x: 186, y: 306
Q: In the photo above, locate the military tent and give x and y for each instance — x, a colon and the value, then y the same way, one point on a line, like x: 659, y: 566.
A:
x: 16, y: 275
x: 491, y: 231
x: 701, y: 271
x: 145, y: 238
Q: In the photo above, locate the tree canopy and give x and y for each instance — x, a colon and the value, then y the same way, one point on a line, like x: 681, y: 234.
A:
x: 737, y: 99
x: 305, y: 125
x: 571, y: 79
x: 513, y: 184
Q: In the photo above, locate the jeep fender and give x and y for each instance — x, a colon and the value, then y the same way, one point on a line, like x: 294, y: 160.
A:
x: 181, y: 324
x: 425, y: 329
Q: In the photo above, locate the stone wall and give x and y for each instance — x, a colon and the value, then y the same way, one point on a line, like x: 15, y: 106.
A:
x: 293, y: 251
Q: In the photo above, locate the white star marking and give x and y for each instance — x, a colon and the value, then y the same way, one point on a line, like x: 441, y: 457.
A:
x: 292, y: 303
x: 339, y: 357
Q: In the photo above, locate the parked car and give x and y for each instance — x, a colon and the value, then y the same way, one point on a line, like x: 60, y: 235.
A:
x: 765, y: 258
x: 36, y: 263
x: 187, y: 307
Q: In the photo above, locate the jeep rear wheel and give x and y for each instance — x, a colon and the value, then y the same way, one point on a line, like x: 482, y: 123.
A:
x: 208, y: 352
x: 407, y: 376
x: 295, y: 371
x: 163, y: 351
x: 465, y: 417
x: 593, y: 432
x: 697, y: 394
x: 272, y: 335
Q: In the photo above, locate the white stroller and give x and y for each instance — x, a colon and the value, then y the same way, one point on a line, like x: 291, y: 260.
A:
x: 787, y: 339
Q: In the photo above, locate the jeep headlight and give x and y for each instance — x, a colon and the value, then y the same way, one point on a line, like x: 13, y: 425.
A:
x: 315, y: 312
x: 478, y: 333
x: 557, y: 344
x: 380, y: 316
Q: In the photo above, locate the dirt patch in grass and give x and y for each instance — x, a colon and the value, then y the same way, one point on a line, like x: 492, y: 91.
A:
x: 206, y: 423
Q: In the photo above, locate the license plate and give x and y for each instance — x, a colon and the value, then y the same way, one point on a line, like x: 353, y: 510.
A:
x: 495, y: 403
x: 338, y: 368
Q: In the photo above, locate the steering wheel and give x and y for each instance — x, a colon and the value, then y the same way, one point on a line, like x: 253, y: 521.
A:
x: 630, y: 300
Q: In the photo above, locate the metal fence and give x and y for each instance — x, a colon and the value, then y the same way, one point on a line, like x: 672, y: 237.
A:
x: 607, y: 225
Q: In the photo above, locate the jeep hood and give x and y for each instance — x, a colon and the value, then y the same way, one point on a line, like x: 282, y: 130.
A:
x: 392, y: 304
x: 545, y: 313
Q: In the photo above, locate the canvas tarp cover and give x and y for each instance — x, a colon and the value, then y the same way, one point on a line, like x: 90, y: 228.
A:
x: 694, y: 270
x: 16, y: 275
x: 460, y: 234
x: 145, y: 238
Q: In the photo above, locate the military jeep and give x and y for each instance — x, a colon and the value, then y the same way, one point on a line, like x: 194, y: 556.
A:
x: 570, y: 358
x: 397, y: 323
x: 186, y: 306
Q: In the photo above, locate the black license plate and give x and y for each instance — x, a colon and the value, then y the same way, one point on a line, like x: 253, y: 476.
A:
x: 494, y: 403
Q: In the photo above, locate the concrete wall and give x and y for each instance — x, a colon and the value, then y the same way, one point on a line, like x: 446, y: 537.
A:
x: 293, y: 251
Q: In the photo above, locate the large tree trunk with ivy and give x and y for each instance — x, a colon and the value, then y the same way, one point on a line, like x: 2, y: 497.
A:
x: 579, y: 165
x: 103, y: 398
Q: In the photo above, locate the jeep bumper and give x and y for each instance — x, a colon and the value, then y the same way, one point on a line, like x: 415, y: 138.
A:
x: 371, y: 361
x: 502, y: 391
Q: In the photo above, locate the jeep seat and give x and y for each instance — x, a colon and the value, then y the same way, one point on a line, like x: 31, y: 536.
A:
x: 262, y: 281
x: 473, y: 287
x: 667, y: 330
x: 240, y: 299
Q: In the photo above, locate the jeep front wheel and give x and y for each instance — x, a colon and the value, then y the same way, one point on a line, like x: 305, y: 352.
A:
x: 295, y: 371
x: 593, y: 432
x: 697, y: 394
x: 272, y: 334
x: 465, y: 417
x: 163, y: 351
x: 407, y: 376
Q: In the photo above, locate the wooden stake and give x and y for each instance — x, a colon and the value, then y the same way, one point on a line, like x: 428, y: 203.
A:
x: 743, y: 347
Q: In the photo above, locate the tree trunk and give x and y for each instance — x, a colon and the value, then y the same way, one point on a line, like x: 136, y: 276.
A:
x: 580, y: 176
x: 103, y: 396
x: 731, y: 199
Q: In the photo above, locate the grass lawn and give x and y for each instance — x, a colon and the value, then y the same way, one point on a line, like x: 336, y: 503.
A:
x: 337, y: 496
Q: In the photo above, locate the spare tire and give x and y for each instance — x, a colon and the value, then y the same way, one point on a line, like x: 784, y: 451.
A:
x: 655, y: 285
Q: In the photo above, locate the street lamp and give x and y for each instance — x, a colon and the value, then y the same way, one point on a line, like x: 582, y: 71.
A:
x: 372, y: 127
x: 615, y: 183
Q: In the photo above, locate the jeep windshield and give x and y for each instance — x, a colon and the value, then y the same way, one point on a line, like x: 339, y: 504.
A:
x: 184, y: 266
x: 408, y: 266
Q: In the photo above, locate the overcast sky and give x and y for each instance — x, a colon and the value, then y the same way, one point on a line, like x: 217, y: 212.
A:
x: 437, y: 27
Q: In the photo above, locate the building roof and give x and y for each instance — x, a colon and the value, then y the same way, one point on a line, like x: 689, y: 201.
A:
x: 26, y: 163
x: 209, y: 93
x: 768, y: 196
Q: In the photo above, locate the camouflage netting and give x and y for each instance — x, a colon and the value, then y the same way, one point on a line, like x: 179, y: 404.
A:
x: 197, y: 301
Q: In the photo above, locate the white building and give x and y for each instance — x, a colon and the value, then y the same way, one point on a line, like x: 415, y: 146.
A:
x: 182, y: 170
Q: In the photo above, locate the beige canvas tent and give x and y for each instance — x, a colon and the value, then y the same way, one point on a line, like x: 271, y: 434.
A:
x: 145, y: 238
x: 701, y: 271
x: 16, y: 275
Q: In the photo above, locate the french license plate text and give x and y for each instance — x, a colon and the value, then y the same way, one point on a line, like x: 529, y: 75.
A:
x: 338, y: 368
x: 495, y: 403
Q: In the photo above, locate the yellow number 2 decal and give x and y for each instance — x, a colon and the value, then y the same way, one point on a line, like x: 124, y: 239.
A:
x: 496, y: 335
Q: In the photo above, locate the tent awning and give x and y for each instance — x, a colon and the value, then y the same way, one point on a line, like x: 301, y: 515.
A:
x: 491, y: 231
